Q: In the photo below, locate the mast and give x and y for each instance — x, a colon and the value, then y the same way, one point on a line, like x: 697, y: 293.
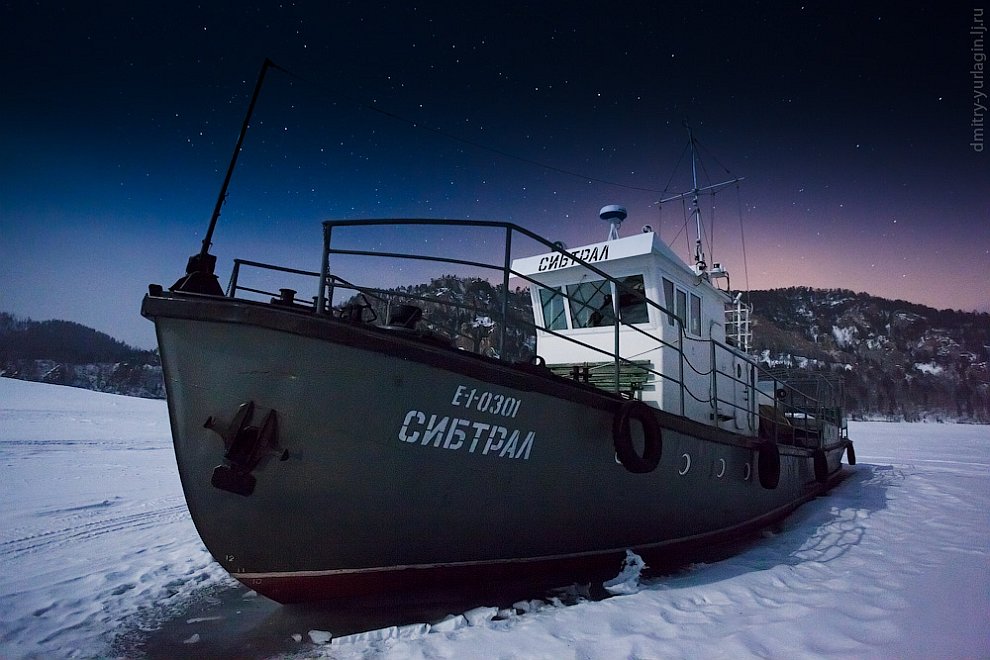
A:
x: 699, y: 253
x: 200, y: 277
x: 700, y: 266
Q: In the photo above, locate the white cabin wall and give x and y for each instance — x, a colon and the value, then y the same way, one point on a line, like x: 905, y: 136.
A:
x: 694, y: 370
x: 633, y: 345
x: 688, y: 389
x: 697, y: 379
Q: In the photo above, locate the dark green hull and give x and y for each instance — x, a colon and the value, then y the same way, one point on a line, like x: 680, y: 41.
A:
x: 392, y: 461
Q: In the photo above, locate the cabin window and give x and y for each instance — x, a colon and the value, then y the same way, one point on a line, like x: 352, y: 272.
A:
x: 591, y: 302
x: 695, y: 315
x: 552, y: 301
x: 682, y: 307
x: 632, y: 304
x: 668, y: 299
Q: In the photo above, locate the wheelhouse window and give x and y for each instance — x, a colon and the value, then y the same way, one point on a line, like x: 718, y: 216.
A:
x: 683, y: 306
x: 554, y: 316
x: 632, y: 300
x: 668, y: 300
x: 590, y: 304
x: 695, y: 315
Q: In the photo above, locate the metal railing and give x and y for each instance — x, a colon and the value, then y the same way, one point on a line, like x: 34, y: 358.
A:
x: 803, y: 412
x: 233, y: 286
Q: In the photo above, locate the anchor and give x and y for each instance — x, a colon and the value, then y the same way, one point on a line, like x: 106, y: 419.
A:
x: 246, y: 445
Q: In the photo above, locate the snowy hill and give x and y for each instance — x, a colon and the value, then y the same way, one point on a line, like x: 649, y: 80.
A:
x: 66, y: 353
x: 900, y: 360
x: 463, y: 310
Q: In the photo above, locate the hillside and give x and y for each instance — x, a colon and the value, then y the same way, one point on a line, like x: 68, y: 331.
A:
x: 463, y: 309
x: 899, y: 360
x: 67, y: 353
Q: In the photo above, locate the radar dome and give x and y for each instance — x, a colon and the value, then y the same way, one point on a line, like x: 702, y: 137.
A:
x: 613, y: 213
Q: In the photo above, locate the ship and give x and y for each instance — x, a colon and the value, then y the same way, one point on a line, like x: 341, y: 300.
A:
x: 365, y: 438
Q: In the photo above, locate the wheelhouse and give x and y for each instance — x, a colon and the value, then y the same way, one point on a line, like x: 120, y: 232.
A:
x: 629, y: 312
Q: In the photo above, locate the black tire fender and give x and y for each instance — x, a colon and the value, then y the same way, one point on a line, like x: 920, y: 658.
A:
x: 768, y: 465
x: 850, y: 454
x: 622, y: 437
x: 821, y: 466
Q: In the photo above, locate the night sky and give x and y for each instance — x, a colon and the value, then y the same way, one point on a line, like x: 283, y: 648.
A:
x: 852, y: 124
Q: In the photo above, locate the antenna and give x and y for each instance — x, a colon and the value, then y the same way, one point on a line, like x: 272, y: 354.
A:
x: 199, y: 277
x: 613, y: 215
x: 700, y: 266
x: 699, y: 252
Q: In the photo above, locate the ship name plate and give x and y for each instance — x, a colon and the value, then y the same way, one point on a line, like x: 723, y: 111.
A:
x: 457, y: 432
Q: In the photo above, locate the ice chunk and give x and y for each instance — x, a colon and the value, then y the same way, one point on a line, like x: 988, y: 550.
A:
x: 480, y: 615
x: 320, y: 636
x: 450, y: 623
x: 627, y: 581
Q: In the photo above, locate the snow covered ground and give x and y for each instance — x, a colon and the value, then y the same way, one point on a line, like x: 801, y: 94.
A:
x: 96, y: 545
